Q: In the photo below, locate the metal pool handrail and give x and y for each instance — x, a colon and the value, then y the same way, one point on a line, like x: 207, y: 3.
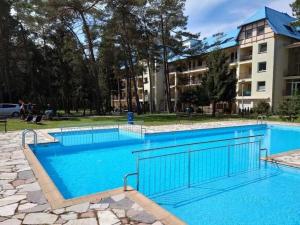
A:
x: 254, y: 147
x: 195, y: 143
x: 24, y: 136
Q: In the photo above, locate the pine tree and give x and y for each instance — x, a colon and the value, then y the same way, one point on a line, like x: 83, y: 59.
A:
x: 296, y: 11
x: 219, y: 81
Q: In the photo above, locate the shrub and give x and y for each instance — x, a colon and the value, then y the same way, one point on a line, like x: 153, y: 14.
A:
x: 289, y: 108
x: 262, y: 107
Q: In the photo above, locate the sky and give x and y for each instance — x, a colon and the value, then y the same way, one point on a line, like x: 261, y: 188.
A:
x: 212, y: 16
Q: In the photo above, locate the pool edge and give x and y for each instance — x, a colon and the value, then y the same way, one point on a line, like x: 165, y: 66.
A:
x: 56, y: 200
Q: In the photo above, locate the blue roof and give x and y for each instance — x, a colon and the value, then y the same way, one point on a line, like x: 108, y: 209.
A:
x: 278, y: 21
x: 281, y: 23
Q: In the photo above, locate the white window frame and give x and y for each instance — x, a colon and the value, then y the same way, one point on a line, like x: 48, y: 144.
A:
x: 259, y: 45
x: 257, y: 86
x: 263, y: 30
x: 261, y: 71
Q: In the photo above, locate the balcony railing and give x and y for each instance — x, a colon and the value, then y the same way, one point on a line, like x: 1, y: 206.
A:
x: 245, y: 93
x: 245, y: 57
x: 245, y: 75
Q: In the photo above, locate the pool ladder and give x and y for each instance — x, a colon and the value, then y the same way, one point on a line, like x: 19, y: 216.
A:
x: 261, y: 119
x: 26, y: 131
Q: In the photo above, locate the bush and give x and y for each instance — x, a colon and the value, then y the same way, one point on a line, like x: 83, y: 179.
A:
x: 262, y: 107
x: 289, y: 108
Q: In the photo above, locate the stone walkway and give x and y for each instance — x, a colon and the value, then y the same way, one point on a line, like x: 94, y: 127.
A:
x: 22, y: 200
x: 291, y: 158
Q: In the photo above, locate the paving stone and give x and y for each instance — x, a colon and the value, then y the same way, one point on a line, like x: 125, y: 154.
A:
x: 99, y: 206
x: 137, y: 207
x: 9, y: 193
x: 36, y: 197
x: 18, y: 155
x: 107, y: 218
x: 60, y: 221
x: 11, y: 222
x: 119, y: 197
x: 123, y: 204
x: 8, y: 210
x: 4, y: 181
x: 7, y: 187
x: 119, y: 212
x: 26, y: 174
x: 88, y: 221
x: 79, y: 208
x: 59, y: 211
x: 29, y: 187
x: 16, y: 183
x: 38, y: 208
x: 89, y: 214
x: 107, y: 200
x: 8, y: 176
x: 39, y: 218
x: 143, y: 217
x: 19, y: 216
x: 11, y: 199
x: 26, y: 206
x: 157, y: 223
x: 69, y: 216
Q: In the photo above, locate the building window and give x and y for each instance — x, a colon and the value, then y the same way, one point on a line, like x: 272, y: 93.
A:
x: 145, y: 80
x: 260, y: 30
x: 262, y: 48
x: 200, y: 62
x: 194, y: 64
x: 248, y: 33
x: 261, y: 86
x: 262, y: 66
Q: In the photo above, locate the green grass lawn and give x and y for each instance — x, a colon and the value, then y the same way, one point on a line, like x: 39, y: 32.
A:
x: 154, y: 119
x: 148, y: 119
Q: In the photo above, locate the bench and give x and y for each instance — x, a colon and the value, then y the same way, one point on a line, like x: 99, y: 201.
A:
x: 3, y: 121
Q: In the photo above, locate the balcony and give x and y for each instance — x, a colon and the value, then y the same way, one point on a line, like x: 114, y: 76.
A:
x: 244, y: 89
x: 245, y: 57
x: 245, y: 76
x: 183, y: 80
x: 246, y: 93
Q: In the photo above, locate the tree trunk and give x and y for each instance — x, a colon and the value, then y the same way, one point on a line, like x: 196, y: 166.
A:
x: 92, y: 60
x: 150, y: 98
x: 165, y: 64
x: 214, y: 103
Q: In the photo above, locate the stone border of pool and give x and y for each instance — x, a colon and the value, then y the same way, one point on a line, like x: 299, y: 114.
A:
x: 57, y: 201
x: 22, y: 200
x: 290, y: 158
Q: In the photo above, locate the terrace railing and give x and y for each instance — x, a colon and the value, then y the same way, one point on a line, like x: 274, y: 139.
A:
x: 192, y: 165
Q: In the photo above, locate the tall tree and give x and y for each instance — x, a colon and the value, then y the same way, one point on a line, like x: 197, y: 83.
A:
x: 219, y: 80
x: 169, y: 20
x: 296, y: 11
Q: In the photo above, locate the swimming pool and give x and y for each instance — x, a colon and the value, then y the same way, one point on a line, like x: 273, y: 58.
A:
x: 88, y: 162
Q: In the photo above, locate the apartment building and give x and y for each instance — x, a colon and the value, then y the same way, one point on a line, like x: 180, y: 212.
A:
x: 264, y: 52
x: 149, y: 87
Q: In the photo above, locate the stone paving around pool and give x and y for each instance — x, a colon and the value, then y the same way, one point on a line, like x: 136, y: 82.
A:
x: 22, y: 200
x: 291, y: 158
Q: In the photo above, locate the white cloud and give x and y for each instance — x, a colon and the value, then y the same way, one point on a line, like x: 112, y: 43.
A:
x: 200, y: 19
x: 196, y: 7
x: 281, y: 5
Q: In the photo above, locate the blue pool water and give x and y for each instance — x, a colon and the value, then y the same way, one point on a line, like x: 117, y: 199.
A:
x: 87, y: 162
